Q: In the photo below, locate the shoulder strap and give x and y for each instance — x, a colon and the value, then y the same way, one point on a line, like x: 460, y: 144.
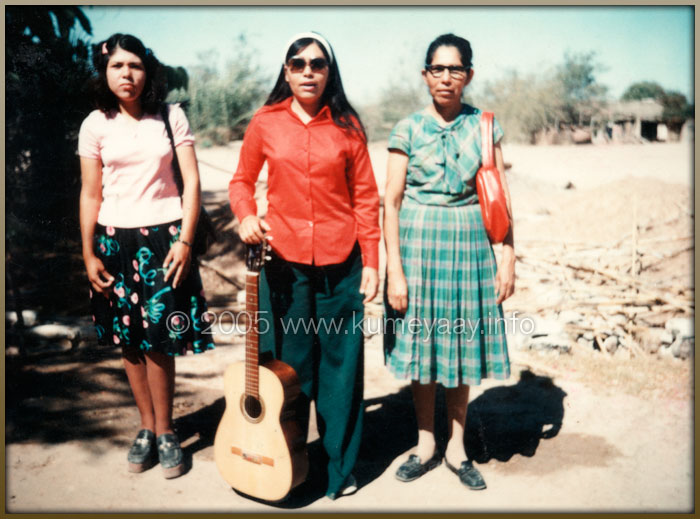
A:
x: 177, y: 174
x: 487, y: 160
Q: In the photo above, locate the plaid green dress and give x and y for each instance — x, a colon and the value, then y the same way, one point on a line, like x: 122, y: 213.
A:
x: 453, y: 331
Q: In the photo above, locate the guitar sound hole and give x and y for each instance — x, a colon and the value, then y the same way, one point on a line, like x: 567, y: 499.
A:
x: 253, y: 407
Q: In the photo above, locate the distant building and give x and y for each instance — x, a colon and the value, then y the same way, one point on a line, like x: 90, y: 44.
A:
x: 635, y: 121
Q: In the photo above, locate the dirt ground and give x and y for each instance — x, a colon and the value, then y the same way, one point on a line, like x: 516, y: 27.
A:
x: 569, y: 432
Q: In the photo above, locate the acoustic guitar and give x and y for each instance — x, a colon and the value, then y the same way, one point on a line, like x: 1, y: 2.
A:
x: 259, y: 448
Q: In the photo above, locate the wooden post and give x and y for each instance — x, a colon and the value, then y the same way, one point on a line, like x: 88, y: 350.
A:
x: 634, y: 235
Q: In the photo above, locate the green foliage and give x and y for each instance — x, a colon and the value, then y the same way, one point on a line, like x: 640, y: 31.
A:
x: 398, y: 100
x: 643, y: 90
x: 676, y: 108
x: 46, y: 72
x: 523, y: 105
x: 221, y: 102
x: 581, y: 96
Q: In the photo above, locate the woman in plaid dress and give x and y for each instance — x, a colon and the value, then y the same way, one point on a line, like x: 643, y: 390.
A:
x: 444, y: 288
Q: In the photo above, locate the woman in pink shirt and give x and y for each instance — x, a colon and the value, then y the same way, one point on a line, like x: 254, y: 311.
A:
x: 137, y: 236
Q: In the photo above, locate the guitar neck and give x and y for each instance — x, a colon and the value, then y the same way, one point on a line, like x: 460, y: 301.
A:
x: 251, y: 337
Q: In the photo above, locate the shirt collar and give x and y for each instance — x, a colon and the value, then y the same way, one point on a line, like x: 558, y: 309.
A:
x: 437, y: 127
x: 324, y: 112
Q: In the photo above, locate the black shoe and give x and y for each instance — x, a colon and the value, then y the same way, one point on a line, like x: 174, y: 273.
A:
x: 469, y: 475
x: 170, y: 455
x: 413, y: 469
x: 141, y: 454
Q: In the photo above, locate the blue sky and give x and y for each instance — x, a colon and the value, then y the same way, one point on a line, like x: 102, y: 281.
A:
x: 378, y: 45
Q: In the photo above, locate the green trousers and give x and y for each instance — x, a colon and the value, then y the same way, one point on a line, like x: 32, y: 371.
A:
x: 315, y: 325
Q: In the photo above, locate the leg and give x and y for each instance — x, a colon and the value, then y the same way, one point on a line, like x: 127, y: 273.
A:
x: 135, y: 367
x: 424, y: 402
x: 341, y: 367
x: 160, y: 369
x: 457, y: 400
x: 286, y: 304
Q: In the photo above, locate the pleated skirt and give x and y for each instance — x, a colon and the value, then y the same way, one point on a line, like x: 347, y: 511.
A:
x: 453, y: 332
x: 142, y: 310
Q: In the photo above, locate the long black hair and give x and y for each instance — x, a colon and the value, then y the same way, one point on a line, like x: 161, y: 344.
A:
x: 155, y: 89
x: 450, y: 40
x: 343, y: 114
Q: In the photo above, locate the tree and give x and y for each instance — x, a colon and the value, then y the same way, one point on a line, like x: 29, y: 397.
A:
x: 643, y: 90
x: 523, y: 105
x: 222, y: 102
x: 47, y: 67
x: 676, y: 110
x: 582, y: 96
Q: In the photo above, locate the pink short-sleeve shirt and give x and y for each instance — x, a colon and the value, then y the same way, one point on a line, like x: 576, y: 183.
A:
x: 138, y: 188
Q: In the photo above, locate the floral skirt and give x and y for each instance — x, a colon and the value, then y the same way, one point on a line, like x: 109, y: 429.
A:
x: 142, y: 310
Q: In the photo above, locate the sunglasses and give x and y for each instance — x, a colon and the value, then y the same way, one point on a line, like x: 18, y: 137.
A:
x: 297, y: 65
x: 456, y: 72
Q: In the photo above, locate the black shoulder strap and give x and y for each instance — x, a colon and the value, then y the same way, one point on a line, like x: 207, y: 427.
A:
x: 177, y: 173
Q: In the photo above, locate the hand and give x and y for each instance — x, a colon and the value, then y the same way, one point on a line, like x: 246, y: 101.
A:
x: 505, y: 276
x: 253, y: 229
x: 397, y: 291
x: 369, y: 284
x: 178, y: 261
x: 98, y: 276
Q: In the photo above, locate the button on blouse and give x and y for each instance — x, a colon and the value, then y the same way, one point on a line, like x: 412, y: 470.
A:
x: 322, y: 195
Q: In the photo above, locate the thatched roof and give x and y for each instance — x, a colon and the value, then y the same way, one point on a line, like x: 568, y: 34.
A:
x: 645, y: 109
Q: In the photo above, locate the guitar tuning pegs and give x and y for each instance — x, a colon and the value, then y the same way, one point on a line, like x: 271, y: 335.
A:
x: 268, y: 258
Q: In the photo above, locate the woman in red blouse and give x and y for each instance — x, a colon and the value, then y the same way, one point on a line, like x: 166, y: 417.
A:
x: 323, y: 225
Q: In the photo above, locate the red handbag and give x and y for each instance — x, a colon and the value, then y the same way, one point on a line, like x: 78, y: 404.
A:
x: 492, y: 198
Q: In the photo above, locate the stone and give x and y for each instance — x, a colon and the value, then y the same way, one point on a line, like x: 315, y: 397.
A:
x: 29, y: 316
x: 589, y: 335
x: 619, y: 319
x: 651, y: 339
x: 665, y: 352
x: 570, y: 316
x: 683, y: 326
x: 682, y: 348
x: 545, y: 326
x: 610, y: 344
x: 55, y: 331
x: 560, y: 343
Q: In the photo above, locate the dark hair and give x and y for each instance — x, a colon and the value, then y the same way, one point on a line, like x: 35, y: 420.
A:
x: 343, y: 114
x: 155, y: 89
x: 450, y: 40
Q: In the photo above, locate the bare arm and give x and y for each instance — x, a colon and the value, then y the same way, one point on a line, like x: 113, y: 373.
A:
x: 90, y: 202
x: 397, y: 292
x: 505, y: 277
x: 180, y: 255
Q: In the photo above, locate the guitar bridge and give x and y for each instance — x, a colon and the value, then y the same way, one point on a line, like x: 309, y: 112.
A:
x: 258, y: 459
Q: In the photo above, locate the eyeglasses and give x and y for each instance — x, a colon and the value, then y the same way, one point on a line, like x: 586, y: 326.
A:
x: 297, y: 65
x: 456, y: 72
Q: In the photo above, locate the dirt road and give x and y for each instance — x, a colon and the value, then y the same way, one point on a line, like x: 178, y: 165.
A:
x: 567, y: 432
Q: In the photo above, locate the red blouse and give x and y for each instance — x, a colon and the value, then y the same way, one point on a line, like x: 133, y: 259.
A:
x: 322, y: 195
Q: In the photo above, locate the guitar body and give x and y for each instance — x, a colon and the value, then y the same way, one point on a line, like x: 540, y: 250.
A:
x: 261, y: 453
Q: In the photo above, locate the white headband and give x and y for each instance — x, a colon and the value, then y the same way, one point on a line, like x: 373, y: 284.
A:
x: 316, y: 36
